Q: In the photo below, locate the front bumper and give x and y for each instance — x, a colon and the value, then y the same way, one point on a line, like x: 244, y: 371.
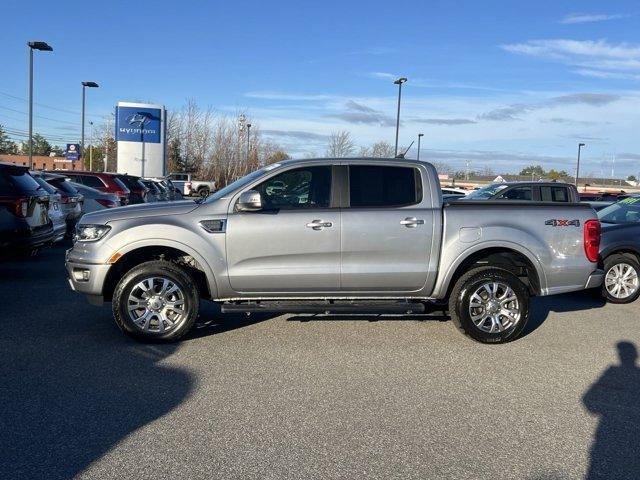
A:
x: 595, y: 279
x: 87, y: 278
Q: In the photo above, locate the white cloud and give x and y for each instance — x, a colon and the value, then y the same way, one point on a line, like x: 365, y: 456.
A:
x: 588, y: 18
x: 594, y: 58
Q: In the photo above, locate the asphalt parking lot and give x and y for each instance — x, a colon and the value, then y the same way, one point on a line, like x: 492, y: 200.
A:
x: 312, y: 397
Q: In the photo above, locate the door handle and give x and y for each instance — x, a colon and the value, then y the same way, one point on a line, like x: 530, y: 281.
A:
x: 411, y: 222
x: 319, y: 224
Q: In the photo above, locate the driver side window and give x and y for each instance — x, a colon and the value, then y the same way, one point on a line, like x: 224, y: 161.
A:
x: 308, y: 187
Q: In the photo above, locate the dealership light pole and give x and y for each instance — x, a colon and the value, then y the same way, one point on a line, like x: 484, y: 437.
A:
x: 420, y: 135
x: 44, y: 47
x: 580, y: 145
x: 84, y: 86
x: 398, y: 82
x: 248, y: 140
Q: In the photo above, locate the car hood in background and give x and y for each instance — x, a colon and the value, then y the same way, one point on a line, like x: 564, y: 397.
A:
x: 139, y: 211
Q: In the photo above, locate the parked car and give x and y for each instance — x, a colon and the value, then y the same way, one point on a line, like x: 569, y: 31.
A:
x: 172, y: 192
x: 56, y: 214
x: 598, y: 200
x: 138, y: 191
x: 70, y: 200
x: 342, y: 235
x: 620, y: 250
x: 527, y: 191
x: 24, y: 211
x: 191, y: 187
x: 155, y: 194
x: 454, y: 191
x: 105, y: 182
x: 95, y: 200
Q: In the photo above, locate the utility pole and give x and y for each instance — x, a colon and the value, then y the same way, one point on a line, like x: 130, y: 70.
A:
x: 91, y: 149
x: 248, y: 140
x: 580, y: 145
x: 398, y: 82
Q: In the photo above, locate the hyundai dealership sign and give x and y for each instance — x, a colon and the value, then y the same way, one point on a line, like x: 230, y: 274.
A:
x: 141, y: 137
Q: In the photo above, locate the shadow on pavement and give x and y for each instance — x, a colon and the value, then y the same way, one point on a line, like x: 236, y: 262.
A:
x: 568, y: 302
x: 615, y: 399
x: 72, y: 385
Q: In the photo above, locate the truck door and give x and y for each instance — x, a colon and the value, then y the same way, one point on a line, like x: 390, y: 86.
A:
x: 387, y: 229
x: 293, y: 243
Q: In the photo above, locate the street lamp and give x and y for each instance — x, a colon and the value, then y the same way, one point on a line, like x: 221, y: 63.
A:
x: 84, y: 86
x: 398, y: 82
x: 43, y: 47
x: 420, y: 135
x: 248, y: 140
x: 580, y: 145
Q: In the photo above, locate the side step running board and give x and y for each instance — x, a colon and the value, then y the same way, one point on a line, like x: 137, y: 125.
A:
x: 329, y: 306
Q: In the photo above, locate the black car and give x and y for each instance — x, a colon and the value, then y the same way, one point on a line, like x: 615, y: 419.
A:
x: 620, y: 250
x: 24, y: 211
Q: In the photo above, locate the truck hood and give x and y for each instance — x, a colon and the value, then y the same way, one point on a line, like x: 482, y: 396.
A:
x: 102, y: 217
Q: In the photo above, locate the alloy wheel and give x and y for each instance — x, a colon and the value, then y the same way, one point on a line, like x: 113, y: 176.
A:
x: 156, y: 305
x: 494, y: 307
x: 621, y: 281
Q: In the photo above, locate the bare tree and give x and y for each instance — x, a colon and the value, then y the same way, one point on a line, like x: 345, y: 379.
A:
x: 379, y: 149
x: 340, y: 145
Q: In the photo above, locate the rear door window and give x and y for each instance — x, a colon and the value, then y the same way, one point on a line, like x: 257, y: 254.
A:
x: 384, y: 186
x: 93, y: 182
x: 554, y: 194
x: 516, y: 193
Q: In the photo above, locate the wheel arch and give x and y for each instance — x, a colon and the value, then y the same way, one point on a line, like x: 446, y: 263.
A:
x: 139, y: 252
x: 508, y: 256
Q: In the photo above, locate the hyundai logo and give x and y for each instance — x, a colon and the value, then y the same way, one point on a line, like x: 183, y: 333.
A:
x: 137, y: 119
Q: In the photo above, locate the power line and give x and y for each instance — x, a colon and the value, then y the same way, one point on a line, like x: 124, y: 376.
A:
x: 71, y: 112
x: 38, y: 116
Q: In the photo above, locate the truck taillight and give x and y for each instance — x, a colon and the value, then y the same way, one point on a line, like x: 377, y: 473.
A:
x: 592, y: 239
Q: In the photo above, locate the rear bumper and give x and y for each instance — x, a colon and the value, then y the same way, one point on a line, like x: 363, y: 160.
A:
x: 595, y: 279
x: 27, y: 239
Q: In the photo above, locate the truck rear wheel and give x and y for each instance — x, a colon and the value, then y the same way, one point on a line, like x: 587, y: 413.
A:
x: 490, y: 305
x: 156, y: 301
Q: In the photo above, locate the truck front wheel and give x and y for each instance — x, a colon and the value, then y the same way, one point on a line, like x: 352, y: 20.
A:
x: 490, y: 305
x: 156, y: 301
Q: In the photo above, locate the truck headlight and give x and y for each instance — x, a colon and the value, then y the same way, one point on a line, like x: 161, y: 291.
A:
x: 91, y: 233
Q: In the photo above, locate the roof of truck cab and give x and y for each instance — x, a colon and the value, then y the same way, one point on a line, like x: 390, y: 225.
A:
x: 353, y: 160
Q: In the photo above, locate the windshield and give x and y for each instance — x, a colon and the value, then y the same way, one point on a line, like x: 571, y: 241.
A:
x: 238, y: 184
x: 485, y: 193
x: 625, y: 211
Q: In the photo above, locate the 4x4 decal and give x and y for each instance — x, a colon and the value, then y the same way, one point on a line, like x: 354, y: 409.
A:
x: 562, y: 223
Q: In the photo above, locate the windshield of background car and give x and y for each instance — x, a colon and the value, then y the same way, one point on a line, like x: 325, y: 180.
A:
x: 485, y: 193
x: 223, y: 192
x: 625, y: 211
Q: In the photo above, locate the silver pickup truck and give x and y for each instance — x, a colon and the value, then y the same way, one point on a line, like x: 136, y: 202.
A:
x: 334, y: 236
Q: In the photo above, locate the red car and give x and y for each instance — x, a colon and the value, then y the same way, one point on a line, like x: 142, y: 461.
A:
x: 105, y: 182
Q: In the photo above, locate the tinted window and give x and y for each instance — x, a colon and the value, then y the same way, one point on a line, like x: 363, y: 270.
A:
x: 308, y: 187
x: 516, y: 193
x: 64, y: 186
x: 48, y: 188
x: 554, y: 194
x: 17, y: 180
x: 122, y: 186
x: 380, y: 186
x: 91, y: 181
x: 625, y: 211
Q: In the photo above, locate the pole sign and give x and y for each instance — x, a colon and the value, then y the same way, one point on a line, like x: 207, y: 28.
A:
x: 138, y: 124
x: 73, y: 151
x: 141, y: 132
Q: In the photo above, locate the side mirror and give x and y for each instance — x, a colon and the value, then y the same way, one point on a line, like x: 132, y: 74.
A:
x: 249, y: 201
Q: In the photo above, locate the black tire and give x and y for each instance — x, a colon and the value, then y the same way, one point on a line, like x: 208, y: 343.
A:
x: 621, y: 260
x: 203, y: 192
x: 161, y: 269
x: 464, y: 289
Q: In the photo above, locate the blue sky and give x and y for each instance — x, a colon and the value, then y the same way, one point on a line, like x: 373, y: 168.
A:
x: 499, y: 84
